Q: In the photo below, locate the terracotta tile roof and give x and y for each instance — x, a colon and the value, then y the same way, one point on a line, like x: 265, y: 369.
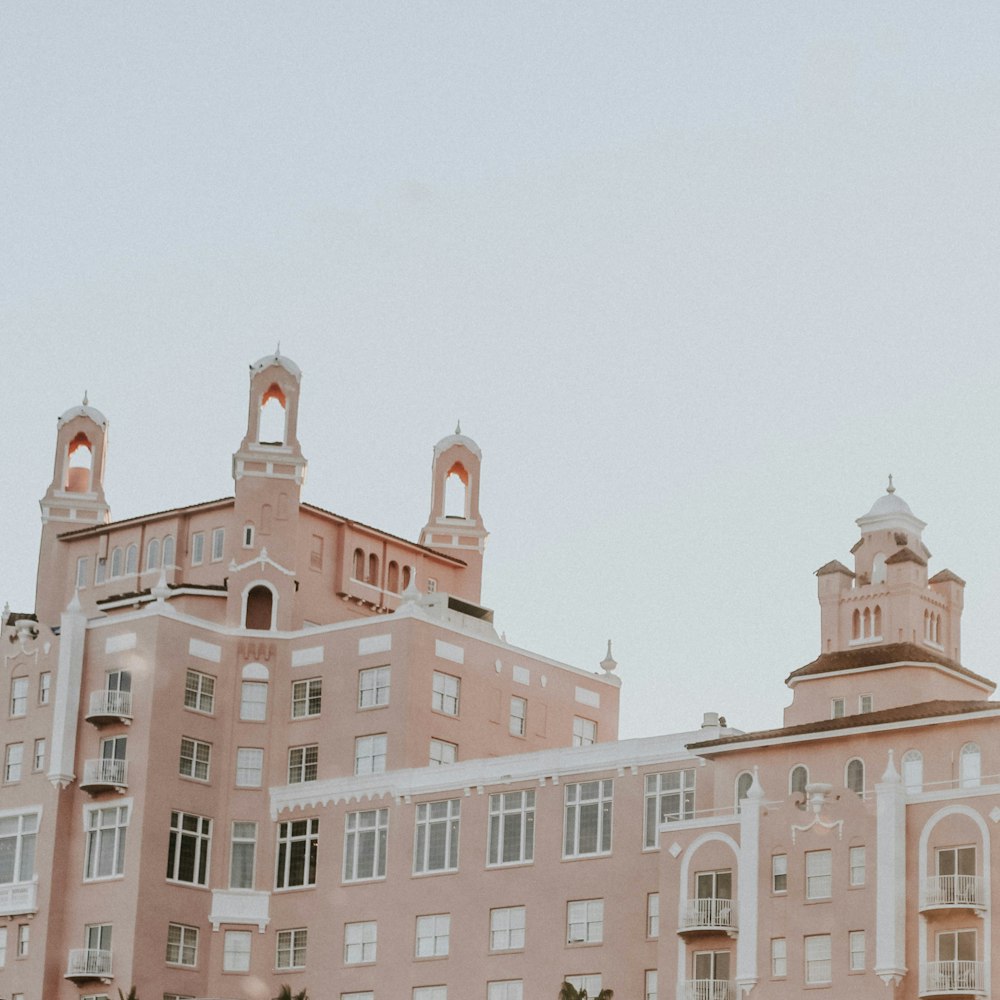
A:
x: 887, y: 716
x: 872, y: 656
x: 98, y: 529
x: 905, y: 555
x: 15, y: 616
x: 946, y: 576
x: 833, y: 566
x: 211, y: 587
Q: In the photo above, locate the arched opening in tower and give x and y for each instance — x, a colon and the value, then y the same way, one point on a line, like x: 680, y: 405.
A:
x: 456, y: 491
x: 271, y: 429
x: 260, y: 603
x: 81, y: 462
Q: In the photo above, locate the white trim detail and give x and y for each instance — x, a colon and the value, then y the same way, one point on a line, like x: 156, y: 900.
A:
x: 374, y: 644
x: 263, y: 559
x: 274, y: 604
x: 307, y: 657
x: 449, y: 651
x: 890, y: 879
x: 984, y: 685
x: 586, y: 697
x: 119, y: 643
x: 205, y: 650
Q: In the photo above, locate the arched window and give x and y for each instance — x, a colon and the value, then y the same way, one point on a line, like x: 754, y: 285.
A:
x: 168, y: 551
x: 743, y: 783
x: 854, y: 776
x: 153, y: 554
x: 937, y: 629
x: 878, y: 620
x: 260, y: 607
x: 116, y: 562
x: 913, y: 771
x: 927, y: 624
x: 878, y: 568
x: 373, y: 569
x: 359, y: 565
x: 798, y: 779
x: 132, y: 559
x: 856, y: 624
x: 867, y: 619
x: 970, y: 766
x: 407, y: 576
x: 81, y: 459
x: 456, y: 488
x: 392, y: 583
x: 271, y: 429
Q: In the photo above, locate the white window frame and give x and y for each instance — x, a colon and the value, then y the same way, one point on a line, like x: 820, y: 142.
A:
x: 3, y: 946
x: 24, y: 939
x: 298, y: 841
x: 236, y: 951
x: 856, y: 863
x: 253, y: 701
x: 433, y: 935
x: 779, y: 874
x: 505, y: 989
x: 239, y: 840
x: 595, y: 796
x: 44, y: 687
x: 373, y: 687
x: 857, y: 951
x: 866, y: 703
x: 818, y: 957
x: 442, y: 753
x: 838, y: 708
x: 303, y: 763
x: 430, y: 993
x: 202, y: 691
x: 306, y: 694
x: 249, y: 767
x: 779, y: 958
x: 507, y: 928
x: 13, y: 763
x: 366, y: 836
x: 370, y: 753
x: 197, y: 548
x: 19, y: 696
x: 104, y: 824
x: 651, y: 990
x: 653, y: 915
x: 360, y: 942
x: 218, y: 544
x: 81, y: 572
x: 669, y: 798
x: 584, y: 731
x: 446, y: 693
x: 436, y: 836
x: 511, y: 831
x: 21, y: 826
x: 591, y: 982
x: 290, y: 948
x: 518, y: 721
x: 819, y: 874
x: 38, y: 757
x: 202, y: 837
x: 195, y: 759
x: 585, y: 921
x: 182, y: 939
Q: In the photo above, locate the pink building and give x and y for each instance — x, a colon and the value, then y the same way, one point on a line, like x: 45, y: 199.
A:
x: 253, y: 742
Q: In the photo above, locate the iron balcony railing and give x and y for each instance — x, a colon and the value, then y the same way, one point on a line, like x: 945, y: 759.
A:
x: 107, y: 771
x: 954, y: 978
x: 710, y: 912
x: 92, y: 963
x: 954, y: 890
x: 710, y: 989
x: 110, y: 703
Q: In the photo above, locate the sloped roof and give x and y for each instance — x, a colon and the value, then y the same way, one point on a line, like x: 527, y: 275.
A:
x: 872, y: 656
x: 887, y: 716
x: 905, y: 555
x: 833, y: 566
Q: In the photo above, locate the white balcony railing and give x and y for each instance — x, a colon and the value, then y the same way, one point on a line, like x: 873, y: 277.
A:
x: 105, y: 771
x: 953, y: 978
x: 17, y: 898
x: 114, y: 704
x: 709, y: 989
x: 954, y: 890
x: 88, y: 963
x: 712, y: 912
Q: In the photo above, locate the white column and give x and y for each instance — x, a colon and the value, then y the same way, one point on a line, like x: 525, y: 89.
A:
x: 747, y: 886
x: 66, y: 707
x: 890, y: 886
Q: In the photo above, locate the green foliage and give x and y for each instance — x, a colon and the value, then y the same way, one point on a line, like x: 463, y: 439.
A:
x: 286, y: 994
x: 569, y: 992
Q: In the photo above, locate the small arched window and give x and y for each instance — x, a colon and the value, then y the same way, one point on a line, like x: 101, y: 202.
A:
x: 854, y: 776
x: 260, y: 607
x: 392, y: 581
x: 927, y: 624
x: 856, y: 624
x: 116, y: 562
x: 743, y: 783
x: 878, y: 620
x: 913, y: 771
x: 168, y: 551
x: 373, y: 570
x: 970, y: 766
x: 272, y: 416
x: 153, y: 554
x: 132, y: 559
x: 407, y: 577
x: 878, y: 568
x: 867, y: 619
x: 359, y: 565
x: 798, y: 779
x: 937, y: 629
x: 81, y: 459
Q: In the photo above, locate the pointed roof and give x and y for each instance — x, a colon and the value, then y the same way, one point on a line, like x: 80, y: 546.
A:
x: 905, y: 555
x: 833, y: 566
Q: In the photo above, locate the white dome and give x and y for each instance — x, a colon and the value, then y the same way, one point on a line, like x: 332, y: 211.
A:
x: 276, y: 359
x: 457, y: 438
x: 84, y: 411
x: 889, y: 503
x: 891, y: 511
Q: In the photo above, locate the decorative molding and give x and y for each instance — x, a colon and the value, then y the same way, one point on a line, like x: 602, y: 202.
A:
x: 262, y: 559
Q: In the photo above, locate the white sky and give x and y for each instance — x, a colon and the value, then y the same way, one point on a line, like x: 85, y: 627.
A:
x: 696, y: 276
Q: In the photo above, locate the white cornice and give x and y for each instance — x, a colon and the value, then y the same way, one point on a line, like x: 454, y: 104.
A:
x: 929, y: 664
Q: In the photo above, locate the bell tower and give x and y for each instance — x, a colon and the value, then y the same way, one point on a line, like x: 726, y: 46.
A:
x: 75, y: 497
x: 455, y: 525
x: 269, y: 471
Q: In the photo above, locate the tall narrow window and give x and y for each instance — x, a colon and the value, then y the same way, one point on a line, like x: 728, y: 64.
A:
x: 298, y: 842
x: 153, y: 554
x: 856, y: 940
x: 19, y: 696
x: 798, y: 779
x: 435, y: 843
x: 168, y: 552
x: 249, y: 767
x: 392, y: 577
x: 913, y: 771
x: 511, y: 828
x: 236, y: 951
x: 44, y: 687
x: 81, y: 572
x: 653, y: 915
x: 819, y: 874
x: 364, y: 844
x: 587, y: 826
x: 857, y: 862
x: 970, y: 766
x: 242, y: 855
x: 779, y: 873
x: 132, y: 559
x: 105, y: 850
x: 779, y: 958
x: 373, y: 577
x: 358, y: 569
x: 197, y: 548
x: 218, y: 543
x: 518, y: 716
x: 189, y: 848
x: 116, y: 562
x: 260, y: 608
x: 13, y: 762
x: 253, y: 701
x: 818, y: 953
x: 854, y: 776
x: 669, y: 797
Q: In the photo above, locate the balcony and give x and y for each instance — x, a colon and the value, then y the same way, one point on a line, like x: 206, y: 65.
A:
x: 106, y: 774
x: 110, y: 706
x: 240, y: 906
x: 88, y: 963
x: 953, y: 892
x: 709, y: 916
x: 952, y: 979
x: 17, y: 898
x: 710, y: 989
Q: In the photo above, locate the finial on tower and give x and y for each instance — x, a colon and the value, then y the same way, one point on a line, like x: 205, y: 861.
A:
x: 86, y: 402
x: 609, y: 662
x: 458, y: 427
x: 890, y: 488
x: 277, y: 350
